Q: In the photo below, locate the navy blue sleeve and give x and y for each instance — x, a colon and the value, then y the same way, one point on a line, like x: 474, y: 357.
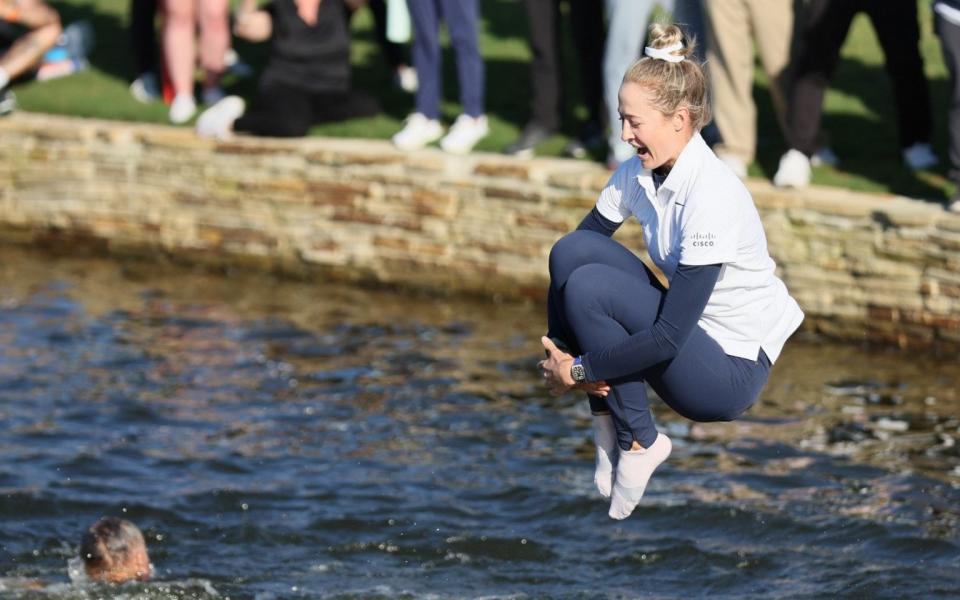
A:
x: 594, y: 221
x: 689, y: 292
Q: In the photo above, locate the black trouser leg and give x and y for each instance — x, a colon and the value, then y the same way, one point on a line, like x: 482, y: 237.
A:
x: 825, y: 27
x: 143, y: 36
x: 898, y: 31
x: 543, y: 18
x: 950, y: 44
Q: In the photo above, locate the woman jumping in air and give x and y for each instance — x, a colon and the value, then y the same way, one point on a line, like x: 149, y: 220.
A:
x: 707, y: 343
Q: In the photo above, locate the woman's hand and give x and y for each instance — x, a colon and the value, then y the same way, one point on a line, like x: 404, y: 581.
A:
x: 251, y: 23
x: 556, y: 373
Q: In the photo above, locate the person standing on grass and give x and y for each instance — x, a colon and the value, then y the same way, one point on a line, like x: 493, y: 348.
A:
x: 547, y: 72
x: 734, y: 27
x: 947, y: 25
x: 825, y: 25
x: 307, y: 78
x: 180, y: 19
x: 27, y: 51
x: 423, y: 126
x: 705, y: 344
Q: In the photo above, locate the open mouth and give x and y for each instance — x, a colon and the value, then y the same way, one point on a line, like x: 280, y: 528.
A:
x: 643, y: 151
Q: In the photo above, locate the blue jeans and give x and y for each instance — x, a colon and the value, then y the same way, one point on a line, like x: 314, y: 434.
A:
x: 600, y: 293
x: 462, y: 18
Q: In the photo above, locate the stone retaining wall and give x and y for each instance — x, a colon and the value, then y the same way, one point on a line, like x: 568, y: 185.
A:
x: 864, y: 267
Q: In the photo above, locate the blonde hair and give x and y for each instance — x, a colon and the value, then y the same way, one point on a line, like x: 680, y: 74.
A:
x: 673, y: 84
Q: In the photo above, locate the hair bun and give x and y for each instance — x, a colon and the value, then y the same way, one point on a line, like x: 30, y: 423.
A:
x: 664, y: 36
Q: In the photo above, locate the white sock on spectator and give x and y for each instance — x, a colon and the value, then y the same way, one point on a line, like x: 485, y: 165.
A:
x: 605, y: 439
x: 4, y: 78
x: 634, y: 469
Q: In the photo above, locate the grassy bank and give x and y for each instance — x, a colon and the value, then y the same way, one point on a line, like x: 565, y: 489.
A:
x: 859, y: 114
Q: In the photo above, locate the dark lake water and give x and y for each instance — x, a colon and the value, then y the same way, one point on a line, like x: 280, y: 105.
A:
x: 277, y: 439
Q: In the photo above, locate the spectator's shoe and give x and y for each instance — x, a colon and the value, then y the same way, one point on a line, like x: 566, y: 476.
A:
x: 954, y: 204
x: 417, y: 132
x: 591, y: 136
x: 533, y: 134
x: 217, y: 121
x: 182, y: 108
x: 919, y: 156
x: 824, y: 156
x: 234, y: 65
x: 406, y: 79
x: 464, y: 134
x: 735, y: 163
x: 8, y: 102
x: 212, y: 95
x: 794, y: 170
x: 146, y: 88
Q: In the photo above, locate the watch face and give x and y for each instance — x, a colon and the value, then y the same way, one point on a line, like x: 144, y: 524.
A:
x: 578, y: 373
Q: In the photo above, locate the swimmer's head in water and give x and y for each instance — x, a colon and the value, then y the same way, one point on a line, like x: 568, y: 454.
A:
x: 114, y: 551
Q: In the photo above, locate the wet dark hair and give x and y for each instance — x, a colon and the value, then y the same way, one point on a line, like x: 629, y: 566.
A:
x: 110, y: 542
x: 674, y: 84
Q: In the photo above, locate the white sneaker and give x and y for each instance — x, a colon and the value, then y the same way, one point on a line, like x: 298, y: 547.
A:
x: 794, y: 170
x: 735, y: 163
x: 417, y: 132
x: 406, y: 79
x: 182, y: 108
x: 217, y: 121
x: 919, y: 156
x: 145, y: 88
x: 954, y: 205
x: 465, y: 133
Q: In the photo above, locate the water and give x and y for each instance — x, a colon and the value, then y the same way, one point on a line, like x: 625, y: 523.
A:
x: 276, y: 440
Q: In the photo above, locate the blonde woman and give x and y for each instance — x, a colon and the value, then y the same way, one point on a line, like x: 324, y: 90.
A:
x: 705, y: 344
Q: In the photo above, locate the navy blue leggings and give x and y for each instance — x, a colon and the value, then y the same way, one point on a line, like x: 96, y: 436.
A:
x: 600, y: 293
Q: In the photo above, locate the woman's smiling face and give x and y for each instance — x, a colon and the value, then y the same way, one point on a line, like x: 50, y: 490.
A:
x: 657, y: 138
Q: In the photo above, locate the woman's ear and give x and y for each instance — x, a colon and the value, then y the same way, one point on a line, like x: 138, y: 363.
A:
x: 680, y: 118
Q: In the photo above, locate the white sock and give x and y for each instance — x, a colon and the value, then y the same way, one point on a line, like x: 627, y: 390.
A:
x: 4, y: 78
x: 605, y: 439
x: 633, y: 472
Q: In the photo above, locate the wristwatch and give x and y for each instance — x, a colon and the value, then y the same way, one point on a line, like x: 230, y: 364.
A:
x: 577, y: 372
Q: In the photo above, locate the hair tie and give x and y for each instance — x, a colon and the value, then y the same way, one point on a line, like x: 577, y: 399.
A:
x: 665, y: 53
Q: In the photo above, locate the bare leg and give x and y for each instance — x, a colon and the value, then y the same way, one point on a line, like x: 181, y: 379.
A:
x: 27, y: 51
x: 214, y: 40
x: 179, y: 46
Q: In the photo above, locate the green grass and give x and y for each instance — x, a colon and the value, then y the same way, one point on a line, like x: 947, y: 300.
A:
x: 859, y: 115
